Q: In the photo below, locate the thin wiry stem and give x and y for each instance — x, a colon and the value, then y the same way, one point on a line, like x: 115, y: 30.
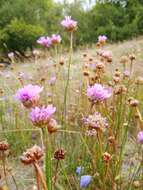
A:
x: 68, y: 79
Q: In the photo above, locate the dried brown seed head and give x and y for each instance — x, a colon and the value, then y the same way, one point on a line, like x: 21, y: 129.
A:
x: 4, y: 146
x: 59, y: 154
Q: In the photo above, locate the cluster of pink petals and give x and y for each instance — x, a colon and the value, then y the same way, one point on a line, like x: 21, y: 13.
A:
x: 69, y: 24
x: 98, y: 93
x: 56, y: 39
x: 44, y: 41
x: 102, y: 39
x: 41, y: 116
x: 48, y: 41
x: 27, y: 93
x: 140, y: 137
x: 106, y: 54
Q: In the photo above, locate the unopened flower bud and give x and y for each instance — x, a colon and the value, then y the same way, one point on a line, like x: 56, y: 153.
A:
x: 132, y: 57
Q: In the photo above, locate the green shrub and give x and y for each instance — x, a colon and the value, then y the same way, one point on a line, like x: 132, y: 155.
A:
x: 22, y: 35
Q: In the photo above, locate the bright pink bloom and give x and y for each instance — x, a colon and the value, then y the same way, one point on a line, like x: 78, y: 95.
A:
x: 140, y: 137
x: 98, y: 93
x: 29, y: 94
x: 102, y: 39
x: 69, y: 24
x: 44, y: 41
x: 56, y: 39
x: 41, y: 116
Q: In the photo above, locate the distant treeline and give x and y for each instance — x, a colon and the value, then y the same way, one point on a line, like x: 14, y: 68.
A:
x: 23, y: 21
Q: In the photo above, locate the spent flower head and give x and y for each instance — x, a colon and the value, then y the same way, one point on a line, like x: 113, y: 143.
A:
x: 96, y: 121
x: 40, y: 116
x: 97, y: 92
x: 29, y: 95
x: 69, y: 24
x: 32, y: 155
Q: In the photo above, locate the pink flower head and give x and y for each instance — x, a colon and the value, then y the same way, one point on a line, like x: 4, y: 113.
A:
x: 140, y: 137
x: 11, y: 55
x: 102, y: 39
x: 29, y: 95
x: 107, y: 54
x: 69, y: 24
x: 56, y: 39
x: 44, y: 41
x: 40, y: 116
x: 126, y: 73
x: 98, y: 93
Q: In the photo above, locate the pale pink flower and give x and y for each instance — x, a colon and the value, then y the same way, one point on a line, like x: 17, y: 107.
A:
x: 29, y: 95
x: 40, y: 116
x: 56, y: 39
x: 97, y: 92
x: 102, y: 39
x: 44, y: 41
x: 126, y: 73
x: 11, y: 55
x: 69, y: 24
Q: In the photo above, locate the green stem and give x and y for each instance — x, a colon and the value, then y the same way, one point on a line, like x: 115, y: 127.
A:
x: 68, y: 79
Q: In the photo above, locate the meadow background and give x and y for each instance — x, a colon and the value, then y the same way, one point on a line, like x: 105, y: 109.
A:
x: 75, y: 155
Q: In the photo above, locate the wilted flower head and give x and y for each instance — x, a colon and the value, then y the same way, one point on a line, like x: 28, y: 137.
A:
x: 40, y: 116
x: 53, y: 126
x: 69, y: 24
x: 85, y: 181
x: 44, y: 41
x: 29, y: 95
x: 140, y: 137
x: 98, y: 93
x: 59, y: 154
x: 96, y: 121
x: 56, y: 39
x: 4, y: 146
x: 106, y: 157
x: 102, y: 39
x: 32, y: 155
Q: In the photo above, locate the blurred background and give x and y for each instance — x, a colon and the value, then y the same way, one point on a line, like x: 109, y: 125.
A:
x: 23, y: 21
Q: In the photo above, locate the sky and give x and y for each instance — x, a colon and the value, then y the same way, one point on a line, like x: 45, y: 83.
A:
x: 88, y: 3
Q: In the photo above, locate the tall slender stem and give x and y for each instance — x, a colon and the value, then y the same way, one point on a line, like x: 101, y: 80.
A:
x: 4, y: 168
x: 68, y: 79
